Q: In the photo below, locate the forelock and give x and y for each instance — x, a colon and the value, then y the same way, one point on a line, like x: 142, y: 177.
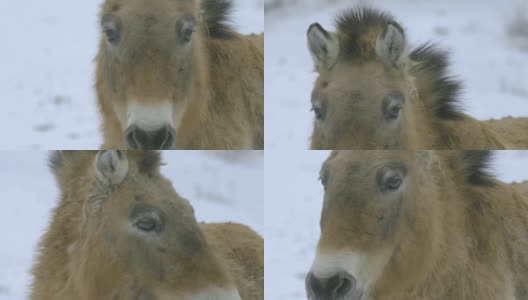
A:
x: 358, y: 29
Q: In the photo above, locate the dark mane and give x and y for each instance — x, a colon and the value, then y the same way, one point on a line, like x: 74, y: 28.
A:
x: 357, y: 29
x: 477, y: 167
x: 444, y: 90
x: 216, y: 14
x: 358, y: 22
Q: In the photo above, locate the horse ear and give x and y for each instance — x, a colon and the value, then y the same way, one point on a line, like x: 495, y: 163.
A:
x: 111, y: 167
x: 323, y: 46
x: 391, y: 45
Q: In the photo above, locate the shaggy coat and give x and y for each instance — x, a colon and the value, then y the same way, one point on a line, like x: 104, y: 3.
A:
x: 373, y: 92
x: 419, y: 226
x: 120, y: 231
x: 175, y: 75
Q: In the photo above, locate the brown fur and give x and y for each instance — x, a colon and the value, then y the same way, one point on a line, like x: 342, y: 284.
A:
x: 354, y: 87
x: 452, y: 231
x: 513, y: 130
x: 89, y: 252
x: 217, y: 86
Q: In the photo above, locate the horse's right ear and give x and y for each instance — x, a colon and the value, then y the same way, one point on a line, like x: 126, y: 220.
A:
x: 111, y: 167
x: 391, y: 45
x: 323, y: 46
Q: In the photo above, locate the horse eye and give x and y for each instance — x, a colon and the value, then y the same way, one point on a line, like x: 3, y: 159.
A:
x: 111, y: 35
x: 393, y: 183
x: 390, y: 179
x: 319, y: 109
x: 111, y: 28
x: 187, y: 35
x: 147, y: 225
x: 185, y: 28
x: 318, y: 112
x: 392, y: 105
x: 393, y: 112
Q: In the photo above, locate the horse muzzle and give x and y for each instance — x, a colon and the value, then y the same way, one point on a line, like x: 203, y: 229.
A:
x: 163, y: 138
x: 340, y: 286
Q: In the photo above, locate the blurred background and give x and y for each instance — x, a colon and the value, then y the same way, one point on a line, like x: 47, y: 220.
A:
x: 488, y: 40
x: 222, y: 186
x: 47, y: 78
x: 293, y: 203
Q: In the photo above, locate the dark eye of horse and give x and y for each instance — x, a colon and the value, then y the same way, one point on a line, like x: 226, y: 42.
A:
x: 187, y: 35
x: 393, y: 183
x: 147, y: 225
x: 390, y: 178
x: 111, y: 35
x: 392, y: 105
x: 185, y: 28
x: 111, y: 27
x: 318, y: 112
x: 393, y: 112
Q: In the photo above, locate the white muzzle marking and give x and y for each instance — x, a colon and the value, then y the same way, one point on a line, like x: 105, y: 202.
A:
x: 352, y: 263
x: 150, y: 117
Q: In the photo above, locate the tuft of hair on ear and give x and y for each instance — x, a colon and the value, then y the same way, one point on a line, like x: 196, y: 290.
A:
x: 149, y: 162
x: 430, y: 59
x: 217, y: 18
x: 477, y: 168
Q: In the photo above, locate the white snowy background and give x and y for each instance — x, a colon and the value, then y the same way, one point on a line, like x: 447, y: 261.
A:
x: 47, y: 71
x: 488, y: 40
x: 221, y: 186
x: 293, y: 202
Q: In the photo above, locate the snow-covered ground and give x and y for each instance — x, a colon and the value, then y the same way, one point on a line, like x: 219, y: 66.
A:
x: 293, y: 202
x: 489, y: 55
x: 47, y: 77
x: 222, y: 186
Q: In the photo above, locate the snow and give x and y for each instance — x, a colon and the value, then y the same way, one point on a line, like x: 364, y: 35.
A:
x: 492, y: 64
x: 221, y: 186
x: 47, y: 77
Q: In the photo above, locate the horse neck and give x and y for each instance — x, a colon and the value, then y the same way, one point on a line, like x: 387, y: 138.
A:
x: 468, y: 213
x: 469, y: 133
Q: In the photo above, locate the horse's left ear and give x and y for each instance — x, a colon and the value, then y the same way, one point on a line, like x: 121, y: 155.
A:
x: 391, y: 45
x: 111, y: 167
x: 323, y: 46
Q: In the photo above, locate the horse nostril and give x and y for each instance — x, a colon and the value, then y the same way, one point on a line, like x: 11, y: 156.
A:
x: 164, y: 138
x: 344, y: 287
x: 139, y: 139
x: 133, y: 137
x: 335, y: 287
